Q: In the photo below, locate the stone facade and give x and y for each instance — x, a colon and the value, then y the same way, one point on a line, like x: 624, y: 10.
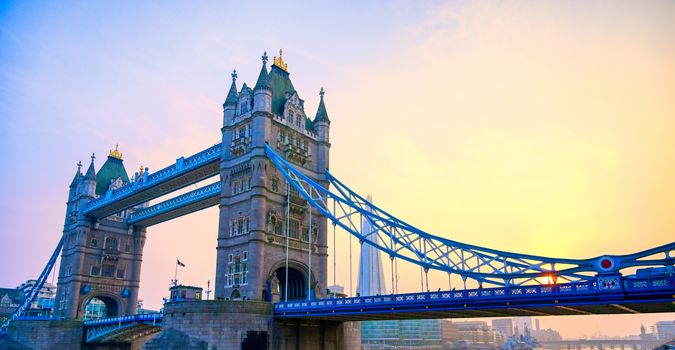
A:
x: 225, y: 325
x: 43, y: 335
x: 255, y: 213
x: 100, y: 258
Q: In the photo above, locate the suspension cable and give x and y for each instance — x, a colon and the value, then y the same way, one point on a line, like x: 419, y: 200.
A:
x: 309, y: 254
x: 288, y: 230
x: 334, y: 256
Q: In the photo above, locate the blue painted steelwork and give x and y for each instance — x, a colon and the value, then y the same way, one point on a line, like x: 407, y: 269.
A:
x: 403, y: 241
x: 631, y: 290
x: 176, y: 203
x: 182, y: 166
x: 102, y: 328
x: 25, y: 304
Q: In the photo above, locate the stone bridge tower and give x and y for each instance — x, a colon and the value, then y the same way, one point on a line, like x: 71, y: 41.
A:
x: 256, y: 207
x: 100, y: 258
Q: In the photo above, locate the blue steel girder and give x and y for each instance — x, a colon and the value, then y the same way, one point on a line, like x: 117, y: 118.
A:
x: 632, y: 295
x: 185, y: 172
x: 123, y: 328
x: 187, y: 203
x: 399, y: 240
x: 25, y: 304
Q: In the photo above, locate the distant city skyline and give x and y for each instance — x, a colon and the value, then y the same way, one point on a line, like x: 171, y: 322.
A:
x: 541, y: 128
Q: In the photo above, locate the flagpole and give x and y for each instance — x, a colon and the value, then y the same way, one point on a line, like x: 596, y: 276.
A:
x: 175, y: 274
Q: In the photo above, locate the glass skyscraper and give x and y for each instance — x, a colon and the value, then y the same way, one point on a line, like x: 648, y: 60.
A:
x: 384, y: 334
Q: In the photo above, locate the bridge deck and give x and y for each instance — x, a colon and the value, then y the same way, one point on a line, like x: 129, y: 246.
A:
x: 572, y: 299
x: 184, y: 204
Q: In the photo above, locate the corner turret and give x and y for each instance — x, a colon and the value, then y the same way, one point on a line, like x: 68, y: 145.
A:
x: 321, y: 125
x: 88, y: 182
x: 230, y: 104
x: 262, y: 92
x: 76, y: 182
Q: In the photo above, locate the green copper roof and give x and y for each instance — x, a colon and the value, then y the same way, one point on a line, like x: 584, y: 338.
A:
x: 91, y: 173
x: 280, y: 84
x: 321, y: 114
x: 232, y: 94
x: 308, y: 124
x: 263, y: 79
x: 111, y: 170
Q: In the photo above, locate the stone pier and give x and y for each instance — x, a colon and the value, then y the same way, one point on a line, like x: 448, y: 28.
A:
x: 225, y: 325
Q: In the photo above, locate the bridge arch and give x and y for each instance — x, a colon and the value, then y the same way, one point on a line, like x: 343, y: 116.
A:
x: 112, y: 306
x: 297, y: 280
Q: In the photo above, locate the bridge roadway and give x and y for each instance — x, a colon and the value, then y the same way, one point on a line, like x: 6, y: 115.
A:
x: 638, y: 295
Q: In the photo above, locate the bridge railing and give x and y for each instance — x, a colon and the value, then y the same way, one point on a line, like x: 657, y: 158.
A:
x: 154, y: 317
x: 182, y: 165
x: 525, y: 292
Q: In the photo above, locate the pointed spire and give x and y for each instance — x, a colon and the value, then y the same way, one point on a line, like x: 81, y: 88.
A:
x: 232, y: 94
x: 263, y: 80
x: 78, y: 175
x: 91, y: 172
x: 321, y: 114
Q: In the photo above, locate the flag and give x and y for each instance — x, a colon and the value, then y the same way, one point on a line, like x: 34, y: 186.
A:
x: 179, y: 263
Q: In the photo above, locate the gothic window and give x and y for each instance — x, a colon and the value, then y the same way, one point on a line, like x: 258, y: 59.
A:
x: 230, y: 259
x: 240, y: 225
x: 247, y: 223
x: 242, y: 133
x: 276, y: 225
x: 95, y: 270
x: 245, y: 255
x: 290, y: 118
x: 295, y: 229
x: 111, y: 243
x: 298, y: 121
x: 69, y: 269
x: 108, y: 270
x: 244, y: 274
x: 275, y: 185
x: 94, y: 242
x: 235, y: 231
x: 120, y: 273
x: 127, y: 248
x: 248, y: 183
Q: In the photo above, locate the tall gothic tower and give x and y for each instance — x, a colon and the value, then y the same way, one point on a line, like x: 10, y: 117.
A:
x: 257, y: 208
x: 101, y: 258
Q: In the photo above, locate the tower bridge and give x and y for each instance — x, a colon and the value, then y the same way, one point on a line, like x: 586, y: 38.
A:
x: 278, y: 204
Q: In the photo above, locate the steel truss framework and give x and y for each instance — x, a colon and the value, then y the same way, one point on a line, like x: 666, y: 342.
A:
x: 400, y: 240
x: 104, y: 329
x: 25, y: 304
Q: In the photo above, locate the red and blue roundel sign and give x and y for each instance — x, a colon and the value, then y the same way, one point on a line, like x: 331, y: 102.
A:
x: 605, y: 263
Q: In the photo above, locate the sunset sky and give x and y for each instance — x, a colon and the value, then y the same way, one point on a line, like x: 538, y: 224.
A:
x: 536, y: 127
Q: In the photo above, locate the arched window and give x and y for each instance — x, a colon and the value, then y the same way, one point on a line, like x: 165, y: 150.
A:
x: 111, y: 243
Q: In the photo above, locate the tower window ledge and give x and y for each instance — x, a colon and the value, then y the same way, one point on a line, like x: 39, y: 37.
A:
x: 239, y: 145
x: 296, y: 153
